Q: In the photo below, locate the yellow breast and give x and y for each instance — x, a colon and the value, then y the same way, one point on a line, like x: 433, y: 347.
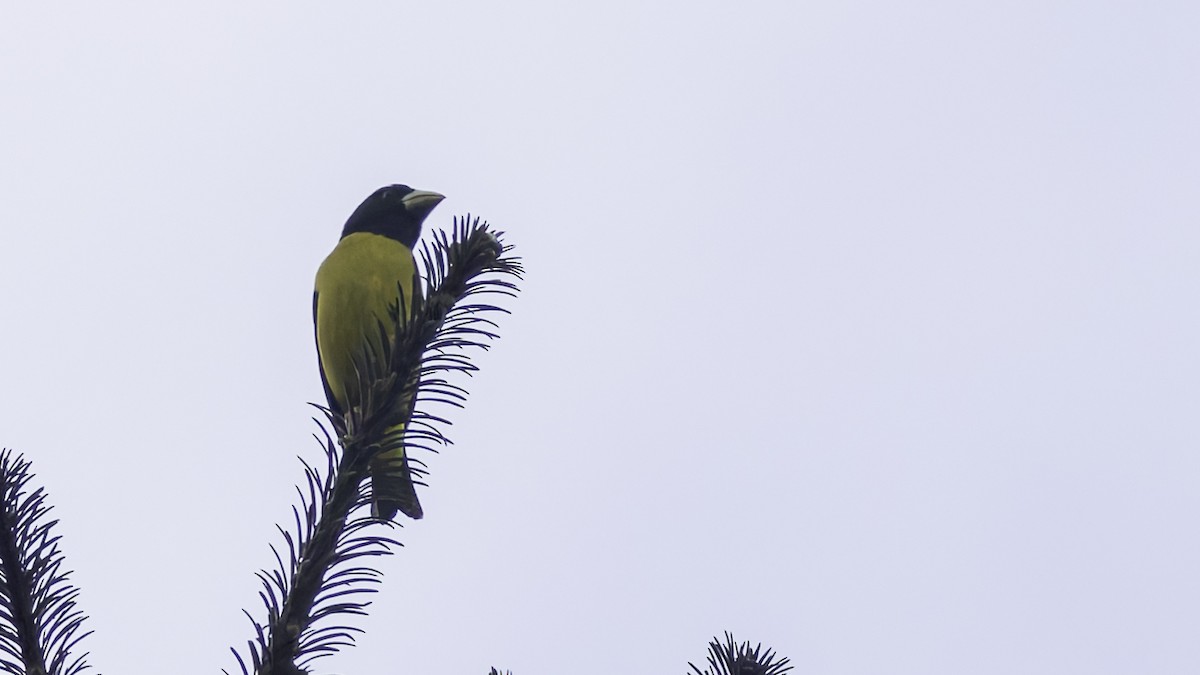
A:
x: 356, y: 285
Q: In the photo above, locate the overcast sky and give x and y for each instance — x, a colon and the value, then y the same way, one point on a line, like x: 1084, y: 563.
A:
x: 867, y: 330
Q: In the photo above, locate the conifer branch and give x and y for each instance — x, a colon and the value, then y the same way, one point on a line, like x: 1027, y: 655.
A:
x: 321, y: 581
x: 40, y: 624
x: 730, y: 658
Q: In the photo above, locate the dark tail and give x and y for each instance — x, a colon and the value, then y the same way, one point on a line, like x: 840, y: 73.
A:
x: 392, y: 488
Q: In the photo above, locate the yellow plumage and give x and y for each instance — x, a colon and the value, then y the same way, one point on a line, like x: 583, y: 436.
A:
x: 355, y: 286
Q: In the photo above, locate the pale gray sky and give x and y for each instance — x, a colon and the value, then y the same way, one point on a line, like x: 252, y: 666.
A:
x: 864, y: 329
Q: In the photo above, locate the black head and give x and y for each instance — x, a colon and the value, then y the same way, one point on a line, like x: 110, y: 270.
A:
x: 395, y: 211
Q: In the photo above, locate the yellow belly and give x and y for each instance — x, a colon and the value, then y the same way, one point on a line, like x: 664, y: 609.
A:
x: 356, y: 285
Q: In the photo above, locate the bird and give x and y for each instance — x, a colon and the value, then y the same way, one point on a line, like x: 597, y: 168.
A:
x: 369, y: 276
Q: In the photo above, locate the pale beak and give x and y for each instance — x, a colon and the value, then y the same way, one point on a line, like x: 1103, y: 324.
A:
x: 421, y: 202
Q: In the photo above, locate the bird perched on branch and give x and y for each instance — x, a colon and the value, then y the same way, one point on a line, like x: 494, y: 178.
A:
x: 370, y: 275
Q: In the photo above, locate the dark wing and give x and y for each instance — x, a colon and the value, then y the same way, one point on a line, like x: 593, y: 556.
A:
x: 333, y: 405
x: 418, y: 296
